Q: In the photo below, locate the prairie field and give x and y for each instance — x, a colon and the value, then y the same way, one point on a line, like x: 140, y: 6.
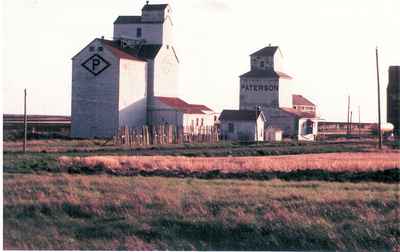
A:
x: 377, y: 166
x: 332, y: 162
x: 224, y: 197
x: 103, y: 212
x: 195, y: 150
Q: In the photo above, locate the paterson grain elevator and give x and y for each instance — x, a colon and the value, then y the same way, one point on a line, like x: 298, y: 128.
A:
x: 131, y: 80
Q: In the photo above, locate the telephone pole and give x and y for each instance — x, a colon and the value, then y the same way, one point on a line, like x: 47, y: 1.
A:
x: 348, y: 116
x: 379, y: 99
x: 351, y: 122
x: 359, y: 122
x: 25, y: 123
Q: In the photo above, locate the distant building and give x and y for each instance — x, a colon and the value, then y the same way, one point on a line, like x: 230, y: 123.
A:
x: 302, y: 125
x: 332, y: 130
x: 273, y: 135
x: 393, y: 98
x: 268, y: 87
x: 302, y: 104
x: 13, y: 125
x: 263, y: 84
x: 175, y: 111
x: 115, y: 82
x: 243, y: 125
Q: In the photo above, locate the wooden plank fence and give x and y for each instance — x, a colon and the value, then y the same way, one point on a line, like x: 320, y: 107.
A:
x: 166, y: 134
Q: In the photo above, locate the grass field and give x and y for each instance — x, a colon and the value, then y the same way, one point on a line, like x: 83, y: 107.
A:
x: 43, y: 154
x: 94, y: 197
x: 61, y: 211
x: 218, y: 149
x: 375, y: 166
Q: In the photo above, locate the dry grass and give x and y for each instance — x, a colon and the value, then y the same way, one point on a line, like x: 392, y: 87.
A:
x: 333, y: 162
x: 71, y: 212
x: 219, y: 149
x: 57, y: 145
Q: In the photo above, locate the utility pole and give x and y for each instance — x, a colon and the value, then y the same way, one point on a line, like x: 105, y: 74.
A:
x: 348, y: 116
x: 359, y: 122
x: 379, y: 99
x: 25, y: 122
x: 351, y: 121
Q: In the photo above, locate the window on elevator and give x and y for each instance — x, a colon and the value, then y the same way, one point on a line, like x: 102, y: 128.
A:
x: 139, y: 32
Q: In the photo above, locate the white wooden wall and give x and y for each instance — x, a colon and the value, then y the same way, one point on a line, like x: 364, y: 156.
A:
x: 132, y: 85
x: 94, y: 106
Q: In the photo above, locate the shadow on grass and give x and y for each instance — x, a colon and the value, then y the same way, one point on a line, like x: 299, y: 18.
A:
x: 386, y: 176
x: 270, y: 236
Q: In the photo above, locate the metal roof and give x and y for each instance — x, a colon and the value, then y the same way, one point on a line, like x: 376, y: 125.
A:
x: 298, y: 113
x: 300, y: 100
x: 128, y: 20
x: 202, y: 107
x: 266, y: 51
x: 183, y: 106
x: 141, y: 52
x: 268, y: 73
x: 240, y: 115
x: 134, y: 20
x: 120, y: 53
x: 154, y: 7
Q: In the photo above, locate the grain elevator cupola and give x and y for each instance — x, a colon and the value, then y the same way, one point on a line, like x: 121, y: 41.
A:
x: 154, y: 26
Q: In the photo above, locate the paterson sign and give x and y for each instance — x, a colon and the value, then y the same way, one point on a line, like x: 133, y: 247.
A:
x: 259, y: 88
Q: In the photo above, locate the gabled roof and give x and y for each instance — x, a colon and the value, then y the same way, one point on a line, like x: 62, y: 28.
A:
x: 128, y: 20
x: 120, y: 53
x: 297, y: 113
x: 142, y: 52
x: 174, y: 102
x: 266, y: 51
x: 134, y: 20
x: 154, y: 7
x: 240, y: 115
x: 183, y: 106
x: 268, y: 73
x: 302, y: 101
x: 202, y: 107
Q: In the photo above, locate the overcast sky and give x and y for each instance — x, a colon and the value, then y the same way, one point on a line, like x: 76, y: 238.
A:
x: 328, y: 47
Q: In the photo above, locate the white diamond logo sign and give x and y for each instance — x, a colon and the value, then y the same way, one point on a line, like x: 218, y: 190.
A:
x: 96, y: 64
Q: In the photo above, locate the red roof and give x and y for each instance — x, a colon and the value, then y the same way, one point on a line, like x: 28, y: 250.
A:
x: 300, y: 100
x: 297, y: 113
x: 117, y: 52
x: 183, y: 106
x: 283, y: 75
x: 202, y: 107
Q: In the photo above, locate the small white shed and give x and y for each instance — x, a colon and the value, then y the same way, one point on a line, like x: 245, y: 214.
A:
x: 273, y: 135
x: 242, y: 125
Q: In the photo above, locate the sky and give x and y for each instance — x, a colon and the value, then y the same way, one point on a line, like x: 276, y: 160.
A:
x: 328, y: 47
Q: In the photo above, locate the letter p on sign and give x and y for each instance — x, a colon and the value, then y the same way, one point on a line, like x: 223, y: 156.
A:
x: 96, y: 64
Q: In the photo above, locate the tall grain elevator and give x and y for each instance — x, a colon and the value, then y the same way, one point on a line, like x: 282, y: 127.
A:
x: 115, y: 82
x: 393, y: 98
